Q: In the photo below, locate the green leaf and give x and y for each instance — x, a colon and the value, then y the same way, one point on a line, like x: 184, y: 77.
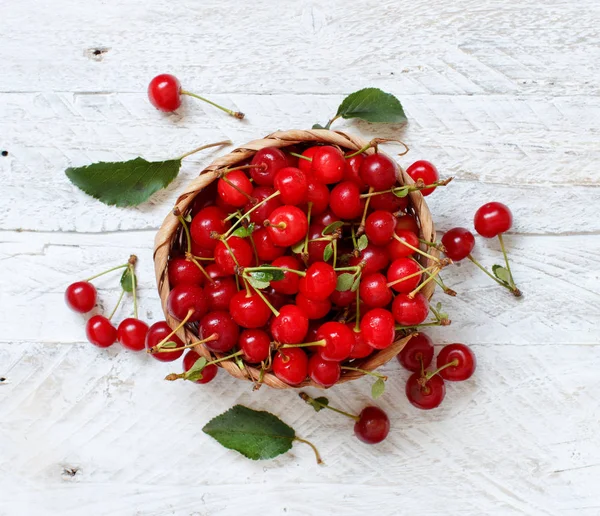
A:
x: 255, y: 434
x: 127, y: 280
x: 258, y: 283
x: 344, y: 282
x: 362, y: 243
x: 243, y: 232
x: 328, y: 252
x: 188, y: 217
x: 317, y: 403
x: 372, y: 105
x: 501, y: 273
x: 355, y: 284
x: 276, y: 275
x: 332, y: 227
x: 195, y: 372
x: 400, y: 192
x: 124, y: 183
x: 168, y: 345
x: 297, y: 248
x: 378, y: 388
x: 318, y: 126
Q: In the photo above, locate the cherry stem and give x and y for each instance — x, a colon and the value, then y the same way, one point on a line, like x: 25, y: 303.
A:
x: 436, y: 314
x: 270, y: 268
x: 241, y: 167
x: 117, y: 305
x: 188, y: 236
x: 222, y: 359
x: 357, y: 325
x: 331, y: 121
x: 422, y: 325
x: 422, y: 364
x: 235, y: 114
x: 237, y: 188
x: 173, y: 332
x: 296, y: 155
x: 271, y: 307
x: 233, y: 215
x: 428, y: 280
x: 512, y: 281
x: 334, y: 245
x: 437, y: 279
x: 436, y: 245
x: 515, y: 291
x: 313, y: 401
x: 134, y: 290
x: 418, y: 273
x: 354, y: 268
x: 254, y: 250
x: 314, y: 448
x: 210, y: 338
x: 364, y: 371
x: 208, y: 146
x: 308, y: 214
x: 245, y: 215
x: 419, y: 185
x: 361, y: 226
x: 416, y: 249
x: 321, y: 342
x: 106, y: 272
x: 194, y: 260
x: 431, y: 374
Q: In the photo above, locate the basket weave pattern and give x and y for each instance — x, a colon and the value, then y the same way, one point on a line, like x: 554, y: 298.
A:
x: 169, y: 235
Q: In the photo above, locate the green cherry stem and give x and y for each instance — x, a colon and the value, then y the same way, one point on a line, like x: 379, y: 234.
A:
x: 435, y: 272
x: 304, y: 252
x: 331, y: 121
x: 438, y: 279
x: 417, y: 250
x: 296, y: 155
x: 210, y: 338
x: 235, y: 114
x: 422, y: 325
x: 269, y: 268
x: 314, y: 448
x: 246, y: 215
x: 107, y: 271
x: 514, y: 290
x: 431, y: 374
x: 361, y: 226
x: 208, y: 146
x: 188, y: 239
x: 264, y: 298
x: 404, y: 278
x: 501, y: 239
x: 312, y: 401
x: 173, y: 332
x: 357, y: 325
x: 134, y: 291
x: 364, y: 371
x: 117, y: 305
x: 321, y: 343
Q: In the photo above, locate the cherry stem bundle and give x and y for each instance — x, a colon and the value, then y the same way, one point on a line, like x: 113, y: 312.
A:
x: 236, y: 114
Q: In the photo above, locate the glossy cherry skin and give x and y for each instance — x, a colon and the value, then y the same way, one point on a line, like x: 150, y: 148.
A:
x: 328, y: 165
x: 379, y: 227
x: 255, y: 344
x: 81, y: 296
x: 265, y: 247
x: 352, y: 171
x: 326, y: 373
x: 164, y: 92
x: 313, y: 309
x: 378, y: 172
x: 317, y: 194
x: 304, y: 164
x: 465, y: 367
x: 277, y: 299
x: 182, y: 271
x: 375, y: 258
x: 272, y: 161
x: 156, y: 333
x: 287, y: 225
x: 290, y: 283
x: 208, y: 373
x: 388, y: 202
x: 131, y: 333
x: 397, y: 248
x: 360, y: 349
x: 290, y: 326
x: 259, y: 194
x: 345, y: 200
x: 374, y: 290
x: 459, y: 243
x: 426, y: 171
x: 339, y: 341
x: 290, y: 365
x: 402, y: 268
x: 423, y: 394
x: 316, y: 249
x: 236, y: 247
x: 222, y: 325
x: 208, y: 221
x: 342, y: 298
x: 320, y: 281
x: 219, y: 293
x: 325, y: 219
x: 292, y: 185
x: 373, y: 425
x: 407, y: 222
x: 377, y: 328
x: 417, y: 350
x: 100, y: 331
x: 492, y: 219
x: 185, y: 298
x: 410, y: 312
x: 229, y: 193
x: 249, y: 311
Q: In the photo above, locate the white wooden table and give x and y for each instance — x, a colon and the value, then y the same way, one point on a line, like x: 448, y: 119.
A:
x: 504, y: 96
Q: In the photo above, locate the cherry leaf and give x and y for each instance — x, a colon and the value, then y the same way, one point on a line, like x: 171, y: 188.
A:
x: 317, y: 403
x: 259, y: 280
x: 195, y: 372
x: 275, y: 274
x: 378, y: 388
x: 168, y: 345
x: 328, y: 252
x: 355, y: 284
x: 257, y: 435
x: 362, y: 243
x: 372, y: 105
x: 400, y: 192
x: 332, y: 227
x: 501, y: 273
x: 124, y: 183
x: 128, y: 280
x: 297, y: 248
x: 344, y: 282
x: 244, y: 232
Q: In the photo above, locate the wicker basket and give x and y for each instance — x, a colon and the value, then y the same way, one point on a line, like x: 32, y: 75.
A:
x: 170, y: 234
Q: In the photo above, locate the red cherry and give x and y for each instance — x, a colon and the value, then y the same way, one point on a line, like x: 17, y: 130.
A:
x: 255, y: 344
x: 378, y: 172
x: 325, y: 219
x: 324, y: 372
x: 459, y: 243
x: 374, y: 290
x: 292, y: 185
x: 278, y: 299
x: 345, y: 200
x: 417, y: 350
x: 156, y: 333
x: 249, y: 311
x: 265, y: 248
x: 339, y: 341
x: 182, y: 270
x: 492, y: 219
x: 185, y: 298
x: 208, y: 221
x: 319, y: 282
x: 209, y: 371
x: 222, y: 325
x: 290, y: 365
x: 342, y: 298
x: 81, y: 296
x: 375, y: 259
x: 360, y: 349
x: 397, y: 249
x: 289, y: 285
x: 328, y: 164
x: 100, y: 331
x: 219, y: 293
x: 316, y: 249
x: 206, y: 197
x: 272, y: 160
x: 201, y: 252
x: 407, y: 222
x: 425, y: 171
x: 373, y: 425
x: 379, y: 227
x: 425, y: 394
x: 215, y: 272
x: 259, y: 194
x: 287, y: 225
x: 229, y: 188
x: 164, y: 92
x: 318, y: 194
x: 465, y: 359
x: 401, y: 268
x: 306, y: 164
x: 352, y: 171
x: 377, y: 328
x: 313, y: 309
x: 131, y: 333
x: 236, y: 247
x: 388, y: 202
x: 410, y: 311
x: 290, y: 326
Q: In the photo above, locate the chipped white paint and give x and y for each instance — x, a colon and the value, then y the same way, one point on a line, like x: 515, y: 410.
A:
x: 503, y: 96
